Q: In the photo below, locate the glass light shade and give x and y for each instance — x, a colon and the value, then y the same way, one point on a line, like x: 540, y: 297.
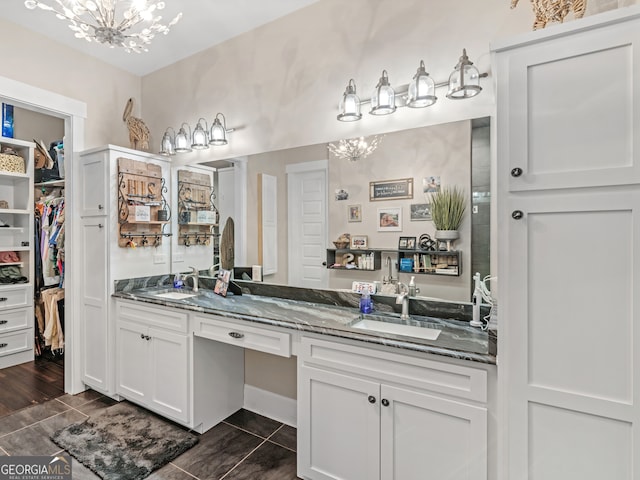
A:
x: 219, y: 131
x: 200, y: 140
x: 350, y: 104
x: 166, y: 145
x: 383, y: 98
x: 182, y: 144
x: 464, y: 81
x: 422, y: 89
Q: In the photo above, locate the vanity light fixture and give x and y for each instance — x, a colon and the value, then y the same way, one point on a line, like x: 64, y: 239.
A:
x: 350, y: 104
x: 219, y: 131
x: 383, y: 98
x: 354, y: 148
x: 182, y: 144
x: 463, y: 83
x: 422, y: 89
x: 200, y: 136
x: 167, y: 143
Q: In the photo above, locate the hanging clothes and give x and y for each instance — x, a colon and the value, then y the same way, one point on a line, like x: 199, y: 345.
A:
x: 50, y: 242
x: 53, y: 330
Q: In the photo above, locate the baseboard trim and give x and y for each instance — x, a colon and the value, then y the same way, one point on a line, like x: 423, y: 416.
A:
x: 269, y: 404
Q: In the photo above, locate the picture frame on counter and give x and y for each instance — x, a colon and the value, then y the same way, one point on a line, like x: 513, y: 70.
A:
x: 400, y: 189
x: 359, y: 242
x: 390, y: 219
x: 407, y: 243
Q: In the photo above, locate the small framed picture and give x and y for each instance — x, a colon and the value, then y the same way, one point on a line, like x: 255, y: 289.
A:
x: 354, y: 213
x: 359, y: 242
x: 420, y: 212
x: 407, y: 243
x: 390, y: 219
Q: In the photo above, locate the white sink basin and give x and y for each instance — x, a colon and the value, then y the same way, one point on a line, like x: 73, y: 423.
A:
x: 398, y: 329
x: 175, y: 295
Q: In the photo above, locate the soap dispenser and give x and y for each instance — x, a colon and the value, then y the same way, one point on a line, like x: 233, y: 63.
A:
x: 476, y: 299
x: 366, y: 304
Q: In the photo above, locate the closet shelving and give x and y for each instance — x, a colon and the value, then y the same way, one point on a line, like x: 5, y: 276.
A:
x: 16, y: 299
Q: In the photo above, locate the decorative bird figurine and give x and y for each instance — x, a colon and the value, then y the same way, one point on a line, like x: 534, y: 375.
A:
x: 138, y: 130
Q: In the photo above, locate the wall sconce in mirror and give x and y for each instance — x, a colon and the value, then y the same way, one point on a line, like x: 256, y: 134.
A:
x: 185, y: 141
x: 464, y: 82
x: 354, y: 148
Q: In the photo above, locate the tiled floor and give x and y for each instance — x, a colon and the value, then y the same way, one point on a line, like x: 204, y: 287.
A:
x: 244, y: 446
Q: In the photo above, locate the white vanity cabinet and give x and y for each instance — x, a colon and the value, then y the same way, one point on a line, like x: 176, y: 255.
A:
x: 153, y: 358
x: 367, y: 414
x: 569, y: 179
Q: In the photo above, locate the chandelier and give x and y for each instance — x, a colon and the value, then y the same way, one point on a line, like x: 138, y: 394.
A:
x: 354, y: 148
x: 100, y: 20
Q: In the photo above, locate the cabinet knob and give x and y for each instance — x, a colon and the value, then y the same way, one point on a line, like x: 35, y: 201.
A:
x: 2, y: 345
x: 236, y: 334
x: 4, y: 322
x: 100, y: 207
x: 385, y: 402
x: 147, y: 337
x: 100, y: 225
x: 371, y: 399
x: 516, y: 172
x: 3, y: 299
x: 517, y: 214
x: 324, y: 264
x: 142, y: 336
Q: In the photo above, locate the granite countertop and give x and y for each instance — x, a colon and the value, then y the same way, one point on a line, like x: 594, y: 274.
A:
x: 457, y: 339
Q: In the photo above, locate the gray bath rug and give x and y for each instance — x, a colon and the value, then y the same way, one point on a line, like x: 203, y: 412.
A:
x: 124, y: 442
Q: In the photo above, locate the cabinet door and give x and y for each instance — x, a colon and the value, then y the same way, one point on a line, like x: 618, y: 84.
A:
x: 424, y: 436
x: 338, y: 426
x: 94, y: 307
x: 563, y: 121
x: 169, y: 374
x: 133, y: 361
x: 93, y: 185
x: 570, y: 268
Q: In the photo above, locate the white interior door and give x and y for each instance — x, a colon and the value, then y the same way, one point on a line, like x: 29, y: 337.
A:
x: 307, y: 223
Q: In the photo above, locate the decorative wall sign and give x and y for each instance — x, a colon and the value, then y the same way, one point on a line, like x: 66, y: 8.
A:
x: 390, y: 219
x: 391, y: 189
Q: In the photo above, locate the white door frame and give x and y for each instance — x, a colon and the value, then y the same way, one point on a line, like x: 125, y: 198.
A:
x: 302, y: 168
x: 74, y: 113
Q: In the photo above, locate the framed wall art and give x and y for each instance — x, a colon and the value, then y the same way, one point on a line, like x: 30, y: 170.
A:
x: 390, y: 219
x: 391, y: 189
x: 354, y: 213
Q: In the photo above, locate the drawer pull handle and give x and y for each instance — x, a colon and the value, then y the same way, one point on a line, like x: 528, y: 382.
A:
x: 236, y: 334
x: 100, y: 207
x: 2, y: 345
x: 3, y: 299
x: 4, y: 322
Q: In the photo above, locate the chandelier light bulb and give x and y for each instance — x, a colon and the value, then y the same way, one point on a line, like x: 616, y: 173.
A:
x: 353, y: 149
x: 111, y: 22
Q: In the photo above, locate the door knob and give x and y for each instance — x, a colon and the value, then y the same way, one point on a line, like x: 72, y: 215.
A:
x: 516, y: 172
x: 517, y: 214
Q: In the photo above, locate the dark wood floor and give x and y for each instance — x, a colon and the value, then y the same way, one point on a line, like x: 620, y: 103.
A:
x: 30, y: 383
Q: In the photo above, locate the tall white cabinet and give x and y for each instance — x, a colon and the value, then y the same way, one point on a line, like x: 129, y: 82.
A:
x: 16, y: 300
x: 569, y: 252
x: 103, y: 261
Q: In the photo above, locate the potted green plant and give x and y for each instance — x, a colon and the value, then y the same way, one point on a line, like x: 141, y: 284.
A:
x: 447, y: 211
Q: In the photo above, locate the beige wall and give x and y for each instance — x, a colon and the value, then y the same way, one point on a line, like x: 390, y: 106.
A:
x: 29, y: 125
x: 36, y: 60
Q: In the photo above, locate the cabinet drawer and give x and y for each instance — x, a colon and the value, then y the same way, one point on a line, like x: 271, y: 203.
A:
x: 456, y: 380
x: 163, y: 317
x: 15, y: 319
x: 16, y: 342
x: 254, y: 338
x: 15, y: 297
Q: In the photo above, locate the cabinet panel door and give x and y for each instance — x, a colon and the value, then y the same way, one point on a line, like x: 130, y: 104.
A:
x: 133, y: 361
x: 94, y: 294
x: 423, y: 436
x: 338, y: 428
x: 565, y: 123
x: 169, y: 374
x: 93, y: 185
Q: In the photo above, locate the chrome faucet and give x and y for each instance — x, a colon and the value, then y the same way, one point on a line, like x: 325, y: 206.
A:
x: 194, y: 276
x: 389, y: 279
x: 403, y: 299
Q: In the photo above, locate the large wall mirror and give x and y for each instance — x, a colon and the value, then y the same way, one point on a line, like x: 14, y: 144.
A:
x: 316, y: 194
